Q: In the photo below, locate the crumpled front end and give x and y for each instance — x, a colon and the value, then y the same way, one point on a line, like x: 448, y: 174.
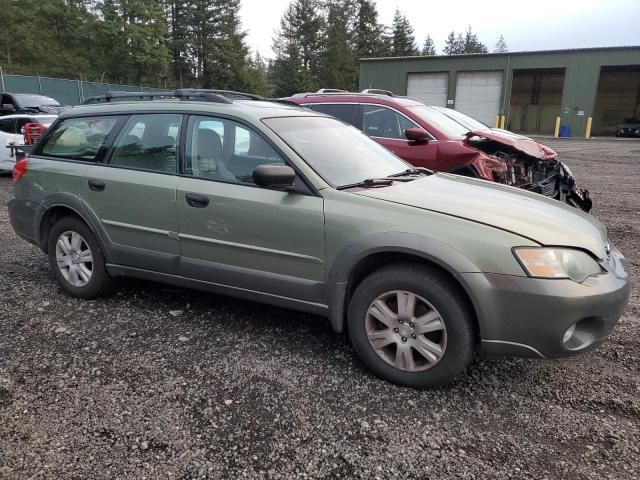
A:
x: 544, y: 175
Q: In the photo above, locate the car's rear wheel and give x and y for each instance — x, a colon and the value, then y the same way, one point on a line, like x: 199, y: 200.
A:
x: 411, y: 325
x: 76, y: 259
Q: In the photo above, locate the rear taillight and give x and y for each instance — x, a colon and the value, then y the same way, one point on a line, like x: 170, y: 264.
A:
x: 20, y: 168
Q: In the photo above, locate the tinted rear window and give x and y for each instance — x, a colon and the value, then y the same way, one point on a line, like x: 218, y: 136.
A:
x: 79, y: 138
x: 148, y: 142
x: 345, y: 112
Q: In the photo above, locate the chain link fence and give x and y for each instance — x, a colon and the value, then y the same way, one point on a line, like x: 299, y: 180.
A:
x: 67, y: 92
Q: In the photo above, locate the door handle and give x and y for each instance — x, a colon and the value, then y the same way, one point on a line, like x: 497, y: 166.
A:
x: 197, y: 201
x: 96, y: 185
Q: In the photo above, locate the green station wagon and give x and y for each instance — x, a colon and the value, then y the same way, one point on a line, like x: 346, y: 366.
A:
x: 282, y: 205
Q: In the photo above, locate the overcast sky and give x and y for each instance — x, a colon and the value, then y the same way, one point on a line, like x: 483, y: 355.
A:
x: 531, y: 25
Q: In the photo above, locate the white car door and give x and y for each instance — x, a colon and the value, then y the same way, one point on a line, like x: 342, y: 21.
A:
x: 8, y: 135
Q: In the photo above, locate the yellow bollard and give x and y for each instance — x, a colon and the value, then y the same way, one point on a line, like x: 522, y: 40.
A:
x: 556, y: 132
x: 502, y: 119
x: 587, y: 134
x: 497, y: 124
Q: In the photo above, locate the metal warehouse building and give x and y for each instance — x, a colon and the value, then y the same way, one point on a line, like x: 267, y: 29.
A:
x: 530, y: 89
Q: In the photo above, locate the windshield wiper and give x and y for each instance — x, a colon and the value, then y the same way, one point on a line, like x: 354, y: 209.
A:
x: 369, y: 182
x: 411, y: 171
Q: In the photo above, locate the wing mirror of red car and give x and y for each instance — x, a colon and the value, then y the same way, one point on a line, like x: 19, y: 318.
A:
x: 417, y: 134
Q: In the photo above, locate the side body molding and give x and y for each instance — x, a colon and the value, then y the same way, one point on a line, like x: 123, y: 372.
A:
x: 428, y: 248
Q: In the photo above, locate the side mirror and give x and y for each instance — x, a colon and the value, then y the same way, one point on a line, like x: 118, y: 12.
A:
x: 416, y: 134
x: 7, y: 107
x: 274, y: 176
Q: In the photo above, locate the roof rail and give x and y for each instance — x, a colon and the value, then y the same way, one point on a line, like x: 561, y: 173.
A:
x: 107, y: 97
x: 331, y: 90
x: 224, y: 93
x: 186, y: 94
x: 283, y: 101
x: 378, y: 91
x: 372, y: 92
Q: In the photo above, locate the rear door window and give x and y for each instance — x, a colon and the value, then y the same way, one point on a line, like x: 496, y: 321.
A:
x: 347, y: 112
x: 148, y: 142
x: 81, y: 139
x: 382, y: 122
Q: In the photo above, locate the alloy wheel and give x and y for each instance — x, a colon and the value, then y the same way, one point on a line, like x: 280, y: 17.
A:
x: 406, y: 331
x: 74, y: 258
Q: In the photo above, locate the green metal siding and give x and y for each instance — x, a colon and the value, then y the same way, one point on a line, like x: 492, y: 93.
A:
x: 582, y: 74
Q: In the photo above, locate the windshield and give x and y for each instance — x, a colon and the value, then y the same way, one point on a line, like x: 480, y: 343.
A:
x: 34, y: 101
x: 339, y: 153
x: 464, y: 120
x: 445, y: 125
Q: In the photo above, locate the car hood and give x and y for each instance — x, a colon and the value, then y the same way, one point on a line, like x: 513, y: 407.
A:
x: 520, y: 143
x: 530, y: 215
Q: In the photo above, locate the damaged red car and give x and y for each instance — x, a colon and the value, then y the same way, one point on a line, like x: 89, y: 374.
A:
x: 429, y: 137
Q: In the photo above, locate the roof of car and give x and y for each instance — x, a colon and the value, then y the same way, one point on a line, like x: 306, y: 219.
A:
x: 346, y: 97
x: 248, y: 109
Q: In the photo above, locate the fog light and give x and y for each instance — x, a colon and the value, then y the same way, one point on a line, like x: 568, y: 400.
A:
x: 583, y: 333
x: 569, y: 333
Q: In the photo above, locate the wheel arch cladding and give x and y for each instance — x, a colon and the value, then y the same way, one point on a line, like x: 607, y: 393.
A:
x: 49, y: 219
x: 61, y: 205
x: 372, y: 252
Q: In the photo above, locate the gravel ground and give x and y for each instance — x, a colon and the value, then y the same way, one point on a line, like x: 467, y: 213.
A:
x: 157, y: 382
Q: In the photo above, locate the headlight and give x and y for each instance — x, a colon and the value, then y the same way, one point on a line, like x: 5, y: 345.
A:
x: 557, y: 263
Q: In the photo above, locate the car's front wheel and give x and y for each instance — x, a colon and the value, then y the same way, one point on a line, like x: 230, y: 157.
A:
x: 76, y: 259
x: 411, y: 325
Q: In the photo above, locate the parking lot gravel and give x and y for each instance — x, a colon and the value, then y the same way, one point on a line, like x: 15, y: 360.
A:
x: 158, y: 382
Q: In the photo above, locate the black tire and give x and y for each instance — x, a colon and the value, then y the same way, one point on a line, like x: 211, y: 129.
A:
x: 442, y: 294
x: 100, y: 282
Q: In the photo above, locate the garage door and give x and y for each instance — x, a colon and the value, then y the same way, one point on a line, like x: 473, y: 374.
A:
x: 429, y: 88
x: 478, y: 95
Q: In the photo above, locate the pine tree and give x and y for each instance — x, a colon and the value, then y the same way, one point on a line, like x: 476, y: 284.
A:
x: 338, y: 63
x: 429, y: 47
x: 368, y: 33
x: 177, y: 18
x: 472, y: 44
x: 501, y: 46
x: 387, y: 41
x: 453, y: 45
x: 53, y: 37
x: 404, y: 42
x: 458, y: 44
x: 297, y: 46
x: 132, y: 39
x: 257, y: 76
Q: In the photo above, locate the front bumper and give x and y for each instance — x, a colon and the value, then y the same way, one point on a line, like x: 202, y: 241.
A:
x: 559, y: 184
x: 528, y: 317
x: 562, y: 186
